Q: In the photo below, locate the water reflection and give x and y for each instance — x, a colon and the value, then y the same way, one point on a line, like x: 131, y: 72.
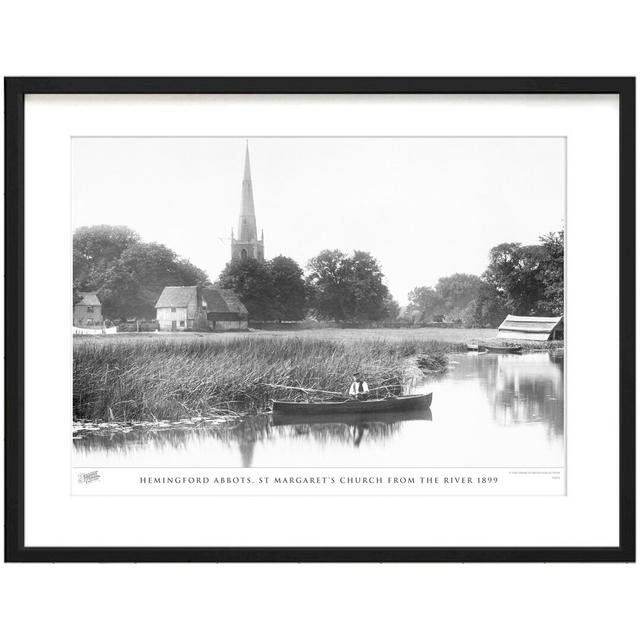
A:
x: 490, y: 410
x: 346, y: 430
x: 521, y: 389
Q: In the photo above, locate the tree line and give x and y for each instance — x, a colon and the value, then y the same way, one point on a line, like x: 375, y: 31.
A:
x: 525, y: 280
x: 337, y: 287
x: 129, y: 276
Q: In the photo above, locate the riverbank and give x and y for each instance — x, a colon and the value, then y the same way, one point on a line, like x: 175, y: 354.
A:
x: 530, y: 345
x: 166, y: 378
x: 426, y: 334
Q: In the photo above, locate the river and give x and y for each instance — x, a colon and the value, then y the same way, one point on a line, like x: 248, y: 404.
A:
x: 489, y: 410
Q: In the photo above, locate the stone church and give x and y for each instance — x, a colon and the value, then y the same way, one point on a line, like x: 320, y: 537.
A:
x: 247, y: 245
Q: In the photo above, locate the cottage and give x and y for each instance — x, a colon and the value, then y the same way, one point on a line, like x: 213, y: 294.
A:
x: 200, y: 308
x: 531, y: 328
x: 87, y: 312
x: 180, y: 308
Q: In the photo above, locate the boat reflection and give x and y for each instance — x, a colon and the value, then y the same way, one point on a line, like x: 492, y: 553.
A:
x: 345, y: 429
x: 351, y: 419
x: 350, y: 427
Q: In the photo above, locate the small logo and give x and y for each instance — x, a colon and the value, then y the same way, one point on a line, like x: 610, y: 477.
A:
x: 90, y: 476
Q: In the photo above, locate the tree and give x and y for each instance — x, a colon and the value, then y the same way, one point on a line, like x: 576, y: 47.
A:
x: 369, y: 292
x: 328, y: 279
x: 132, y: 284
x: 289, y: 289
x: 348, y: 288
x: 514, y: 272
x: 457, y: 292
x: 253, y: 283
x: 392, y: 308
x: 76, y: 297
x: 424, y: 304
x: 97, y: 248
x: 488, y: 309
x: 552, y: 274
x: 523, y: 280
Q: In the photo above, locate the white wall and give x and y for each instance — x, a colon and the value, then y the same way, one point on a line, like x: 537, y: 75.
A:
x: 166, y: 317
x: 329, y: 38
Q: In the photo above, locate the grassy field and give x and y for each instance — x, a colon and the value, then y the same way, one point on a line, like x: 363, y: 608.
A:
x: 340, y: 335
x: 155, y: 376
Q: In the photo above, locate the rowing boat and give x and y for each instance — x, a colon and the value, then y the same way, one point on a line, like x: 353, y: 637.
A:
x: 502, y: 348
x: 494, y: 348
x: 396, y: 403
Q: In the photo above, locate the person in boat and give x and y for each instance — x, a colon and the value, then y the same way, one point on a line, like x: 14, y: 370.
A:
x: 359, y: 389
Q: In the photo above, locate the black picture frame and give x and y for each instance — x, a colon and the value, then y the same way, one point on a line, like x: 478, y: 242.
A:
x: 15, y: 91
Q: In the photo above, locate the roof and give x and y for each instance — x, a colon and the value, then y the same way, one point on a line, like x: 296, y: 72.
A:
x: 176, y: 297
x: 88, y: 298
x: 223, y: 301
x: 528, y: 327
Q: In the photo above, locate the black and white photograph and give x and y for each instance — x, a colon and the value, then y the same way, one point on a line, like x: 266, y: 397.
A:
x: 285, y: 323
x: 386, y: 311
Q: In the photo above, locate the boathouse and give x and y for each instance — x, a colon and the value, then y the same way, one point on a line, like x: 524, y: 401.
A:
x: 531, y: 328
x: 87, y: 312
x: 225, y: 311
x: 198, y: 308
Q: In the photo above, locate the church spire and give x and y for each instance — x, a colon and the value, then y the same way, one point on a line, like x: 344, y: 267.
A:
x: 247, y: 245
x: 247, y: 231
x: 247, y: 164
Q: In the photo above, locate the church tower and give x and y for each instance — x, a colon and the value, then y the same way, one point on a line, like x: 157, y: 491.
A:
x: 247, y: 244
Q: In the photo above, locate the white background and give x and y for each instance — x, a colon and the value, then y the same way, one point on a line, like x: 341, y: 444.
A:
x: 330, y: 38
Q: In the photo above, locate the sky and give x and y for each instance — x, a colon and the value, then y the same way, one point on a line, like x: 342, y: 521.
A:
x: 424, y: 207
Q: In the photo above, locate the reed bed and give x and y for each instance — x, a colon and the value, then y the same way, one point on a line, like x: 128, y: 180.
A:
x: 164, y: 379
